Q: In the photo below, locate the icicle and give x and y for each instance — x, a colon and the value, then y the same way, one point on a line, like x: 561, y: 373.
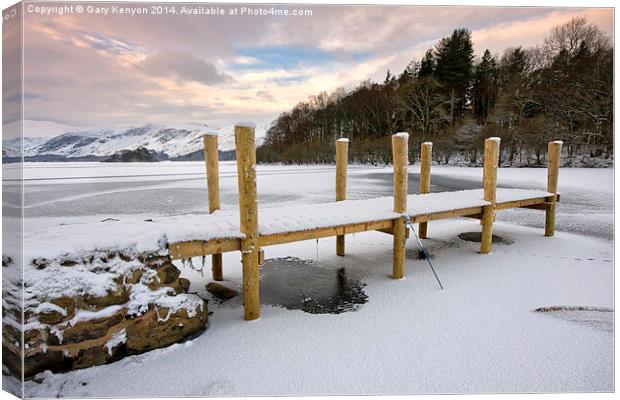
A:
x: 204, y: 260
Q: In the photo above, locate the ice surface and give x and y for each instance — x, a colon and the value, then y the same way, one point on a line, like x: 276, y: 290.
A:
x: 479, y: 335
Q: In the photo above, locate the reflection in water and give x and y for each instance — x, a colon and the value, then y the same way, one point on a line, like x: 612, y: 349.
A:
x: 304, y: 285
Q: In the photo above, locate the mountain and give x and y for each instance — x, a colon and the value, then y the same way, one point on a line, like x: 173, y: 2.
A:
x: 10, y: 147
x: 175, y: 142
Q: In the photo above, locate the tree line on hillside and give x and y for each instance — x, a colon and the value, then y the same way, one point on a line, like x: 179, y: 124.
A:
x: 561, y: 89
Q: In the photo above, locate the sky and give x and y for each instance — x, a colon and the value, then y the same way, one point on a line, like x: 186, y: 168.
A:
x: 84, y: 70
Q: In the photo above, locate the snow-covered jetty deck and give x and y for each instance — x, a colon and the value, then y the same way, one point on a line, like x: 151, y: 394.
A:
x: 244, y: 231
x: 278, y: 225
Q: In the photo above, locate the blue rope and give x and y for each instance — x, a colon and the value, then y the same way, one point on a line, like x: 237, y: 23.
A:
x: 408, y: 222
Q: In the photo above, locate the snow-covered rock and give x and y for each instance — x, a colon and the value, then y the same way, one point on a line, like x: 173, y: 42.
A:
x: 94, y: 310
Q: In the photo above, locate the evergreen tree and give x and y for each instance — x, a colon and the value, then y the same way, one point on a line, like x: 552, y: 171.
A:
x: 484, y: 87
x: 427, y: 65
x: 455, y: 55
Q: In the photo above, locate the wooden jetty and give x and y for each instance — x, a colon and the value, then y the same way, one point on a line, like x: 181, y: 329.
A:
x: 386, y: 214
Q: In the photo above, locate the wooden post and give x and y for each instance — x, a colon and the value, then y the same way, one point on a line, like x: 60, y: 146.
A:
x: 400, y: 160
x: 426, y: 153
x: 248, y: 214
x: 554, y: 154
x: 213, y: 183
x: 489, y: 182
x: 342, y: 156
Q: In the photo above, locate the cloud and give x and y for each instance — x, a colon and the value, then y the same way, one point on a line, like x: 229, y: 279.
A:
x: 12, y: 89
x: 245, y: 60
x: 182, y: 67
x: 262, y: 94
x: 106, y: 71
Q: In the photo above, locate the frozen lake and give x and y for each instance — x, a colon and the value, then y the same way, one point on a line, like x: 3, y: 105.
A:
x: 479, y: 335
x: 170, y: 188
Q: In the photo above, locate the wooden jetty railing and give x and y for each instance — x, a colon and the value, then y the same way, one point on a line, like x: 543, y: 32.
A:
x: 483, y: 206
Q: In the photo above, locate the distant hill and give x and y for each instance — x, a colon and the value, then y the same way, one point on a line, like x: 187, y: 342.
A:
x: 177, y: 143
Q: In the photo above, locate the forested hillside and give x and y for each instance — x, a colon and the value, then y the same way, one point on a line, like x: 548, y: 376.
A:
x: 560, y: 89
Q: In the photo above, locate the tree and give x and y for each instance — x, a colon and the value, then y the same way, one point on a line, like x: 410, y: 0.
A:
x: 427, y: 65
x: 562, y: 89
x: 577, y: 86
x: 484, y: 87
x: 455, y: 55
x: 569, y: 38
x: 423, y: 103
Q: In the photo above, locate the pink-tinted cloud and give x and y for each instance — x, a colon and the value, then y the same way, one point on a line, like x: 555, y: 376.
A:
x: 182, y: 66
x: 117, y: 70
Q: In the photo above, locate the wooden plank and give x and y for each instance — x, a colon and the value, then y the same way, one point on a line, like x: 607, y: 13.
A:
x: 390, y: 231
x: 542, y: 207
x: 197, y: 248
x: 288, y: 237
x: 461, y: 212
x: 521, y: 203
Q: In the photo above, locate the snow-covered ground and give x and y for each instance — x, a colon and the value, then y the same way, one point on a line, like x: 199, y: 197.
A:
x: 479, y: 335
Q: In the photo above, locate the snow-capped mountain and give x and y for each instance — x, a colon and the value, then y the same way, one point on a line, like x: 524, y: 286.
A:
x: 171, y: 141
x: 11, y: 147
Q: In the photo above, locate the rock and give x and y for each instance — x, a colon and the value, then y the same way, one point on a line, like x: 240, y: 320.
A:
x: 136, y: 275
x: 91, y: 356
x: 221, y: 291
x: 178, y: 287
x: 125, y: 257
x: 67, y: 303
x: 48, y: 359
x: 87, y: 330
x: 51, y: 317
x: 154, y: 261
x: 168, y: 273
x: 68, y: 263
x: 184, y: 284
x: 54, y: 317
x: 150, y: 331
x: 40, y: 263
x: 118, y: 295
x: 61, y: 347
